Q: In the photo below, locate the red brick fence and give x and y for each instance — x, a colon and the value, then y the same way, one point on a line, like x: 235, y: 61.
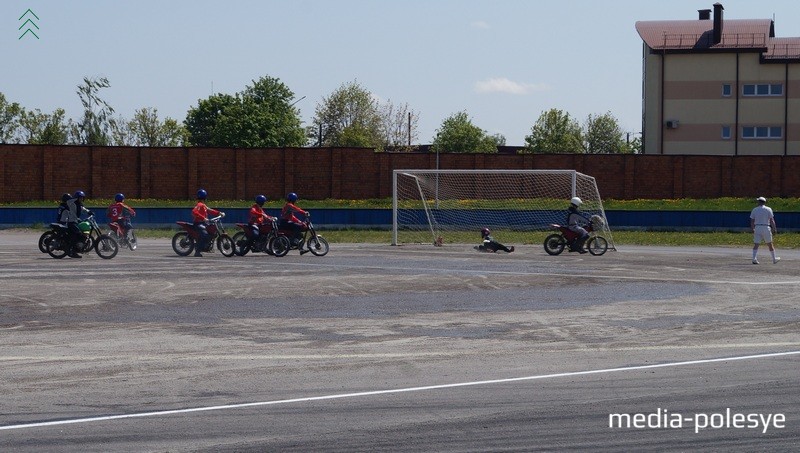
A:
x: 33, y: 172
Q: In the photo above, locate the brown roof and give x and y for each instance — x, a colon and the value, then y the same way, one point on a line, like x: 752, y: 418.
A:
x: 698, y: 34
x: 783, y: 49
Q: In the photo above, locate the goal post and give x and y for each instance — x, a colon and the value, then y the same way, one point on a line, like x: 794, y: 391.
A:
x: 434, y: 206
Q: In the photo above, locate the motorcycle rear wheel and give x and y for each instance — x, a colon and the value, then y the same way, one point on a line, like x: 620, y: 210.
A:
x: 597, y: 245
x: 57, y: 247
x: 182, y: 243
x: 106, y: 247
x: 46, y: 237
x: 554, y: 244
x: 132, y: 243
x: 241, y: 245
x: 280, y: 246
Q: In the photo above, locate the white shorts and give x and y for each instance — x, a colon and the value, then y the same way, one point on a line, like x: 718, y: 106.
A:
x: 762, y: 233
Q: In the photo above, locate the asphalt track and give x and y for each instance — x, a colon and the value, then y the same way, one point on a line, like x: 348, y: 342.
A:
x: 409, y: 348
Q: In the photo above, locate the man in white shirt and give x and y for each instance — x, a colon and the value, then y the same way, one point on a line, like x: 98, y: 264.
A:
x: 762, y: 224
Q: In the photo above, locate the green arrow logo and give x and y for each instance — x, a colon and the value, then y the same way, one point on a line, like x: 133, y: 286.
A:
x: 29, y: 22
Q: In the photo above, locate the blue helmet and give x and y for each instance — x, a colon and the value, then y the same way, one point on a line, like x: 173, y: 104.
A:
x: 119, y: 197
x: 79, y: 194
x: 260, y: 200
x: 291, y: 197
x: 202, y: 194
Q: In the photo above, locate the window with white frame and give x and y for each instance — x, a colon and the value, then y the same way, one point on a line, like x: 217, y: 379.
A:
x: 762, y: 89
x: 726, y: 89
x: 762, y: 132
x: 726, y: 132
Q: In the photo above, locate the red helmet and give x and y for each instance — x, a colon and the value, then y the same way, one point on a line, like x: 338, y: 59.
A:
x: 485, y: 232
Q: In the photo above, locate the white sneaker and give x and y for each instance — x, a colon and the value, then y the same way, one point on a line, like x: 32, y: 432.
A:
x: 755, y: 261
x: 775, y: 261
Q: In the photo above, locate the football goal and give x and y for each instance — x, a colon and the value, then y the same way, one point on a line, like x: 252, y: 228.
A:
x: 441, y: 206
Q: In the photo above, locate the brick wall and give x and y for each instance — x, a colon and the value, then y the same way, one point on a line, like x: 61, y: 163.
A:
x: 33, y: 172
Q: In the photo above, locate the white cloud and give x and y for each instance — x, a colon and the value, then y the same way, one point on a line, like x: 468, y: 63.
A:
x: 504, y: 85
x: 479, y: 24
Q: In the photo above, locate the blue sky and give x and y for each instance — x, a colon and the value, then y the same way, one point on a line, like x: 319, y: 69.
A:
x: 504, y: 62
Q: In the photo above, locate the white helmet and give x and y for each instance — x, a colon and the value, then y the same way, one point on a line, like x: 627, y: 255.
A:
x: 576, y: 201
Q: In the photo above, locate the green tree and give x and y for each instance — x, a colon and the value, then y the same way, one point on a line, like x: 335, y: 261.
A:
x: 262, y: 115
x: 39, y: 128
x: 457, y: 134
x: 499, y: 139
x: 602, y: 135
x: 9, y: 117
x: 31, y: 124
x: 633, y: 144
x: 146, y: 129
x: 120, y: 134
x: 56, y: 129
x: 97, y: 124
x: 348, y: 117
x: 272, y: 119
x: 400, y: 126
x: 212, y: 122
x: 555, y: 132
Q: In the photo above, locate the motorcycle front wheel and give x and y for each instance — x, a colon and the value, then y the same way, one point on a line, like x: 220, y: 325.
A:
x: 182, y: 243
x: 240, y: 244
x: 554, y: 244
x: 106, y: 247
x: 318, y: 246
x: 225, y: 245
x: 280, y: 246
x: 597, y: 245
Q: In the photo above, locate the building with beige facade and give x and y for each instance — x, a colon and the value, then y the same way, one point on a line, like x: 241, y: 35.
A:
x: 719, y: 87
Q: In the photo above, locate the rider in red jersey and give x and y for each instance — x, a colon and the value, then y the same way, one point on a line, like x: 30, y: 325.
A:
x: 200, y: 214
x: 116, y: 213
x: 289, y: 220
x: 258, y: 217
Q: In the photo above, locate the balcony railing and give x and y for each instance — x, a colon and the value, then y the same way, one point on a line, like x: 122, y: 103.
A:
x: 783, y: 51
x: 706, y: 40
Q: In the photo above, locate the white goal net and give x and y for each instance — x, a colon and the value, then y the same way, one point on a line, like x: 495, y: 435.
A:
x: 441, y: 206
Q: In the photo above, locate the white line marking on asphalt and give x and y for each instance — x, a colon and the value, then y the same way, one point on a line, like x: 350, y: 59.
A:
x: 393, y: 391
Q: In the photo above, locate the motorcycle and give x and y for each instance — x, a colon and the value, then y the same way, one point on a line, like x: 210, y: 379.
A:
x: 92, y: 238
x: 597, y: 245
x: 243, y: 241
x: 309, y: 241
x: 124, y: 239
x: 184, y: 242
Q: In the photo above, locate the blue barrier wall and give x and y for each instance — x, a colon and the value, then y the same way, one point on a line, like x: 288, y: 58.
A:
x: 168, y: 216
x: 382, y: 218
